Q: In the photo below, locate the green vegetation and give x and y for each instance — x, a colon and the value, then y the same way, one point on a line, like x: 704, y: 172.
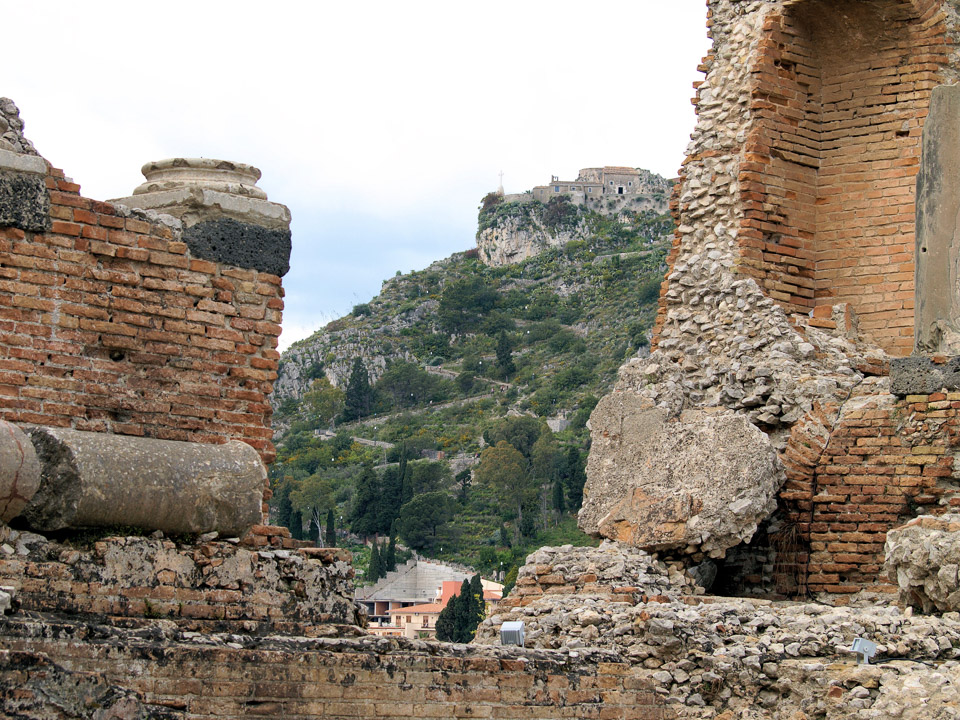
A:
x: 477, y: 358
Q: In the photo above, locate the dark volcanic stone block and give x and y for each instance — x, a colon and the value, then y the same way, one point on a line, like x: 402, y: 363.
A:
x: 920, y: 375
x: 24, y: 201
x: 242, y: 244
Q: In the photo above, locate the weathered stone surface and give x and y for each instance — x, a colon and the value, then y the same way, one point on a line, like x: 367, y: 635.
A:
x: 19, y: 471
x: 738, y: 658
x: 923, y: 559
x: 697, y: 483
x: 11, y: 130
x: 99, y: 480
x: 200, y: 584
x: 36, y: 688
x: 24, y: 198
x: 922, y: 375
x: 243, y: 244
x: 937, y: 318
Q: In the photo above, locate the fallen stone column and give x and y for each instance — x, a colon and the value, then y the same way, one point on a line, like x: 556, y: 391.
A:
x: 99, y: 480
x: 19, y: 471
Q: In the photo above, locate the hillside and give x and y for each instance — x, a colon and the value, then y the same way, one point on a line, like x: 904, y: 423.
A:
x: 457, y: 356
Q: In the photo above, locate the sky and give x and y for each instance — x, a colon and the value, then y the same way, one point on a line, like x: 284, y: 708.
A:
x: 380, y: 124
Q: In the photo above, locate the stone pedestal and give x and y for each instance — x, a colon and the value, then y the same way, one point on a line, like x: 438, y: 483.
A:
x: 226, y: 217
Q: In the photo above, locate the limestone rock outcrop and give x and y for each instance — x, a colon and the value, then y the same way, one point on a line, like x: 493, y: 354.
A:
x: 697, y: 483
x: 923, y: 559
x: 516, y: 239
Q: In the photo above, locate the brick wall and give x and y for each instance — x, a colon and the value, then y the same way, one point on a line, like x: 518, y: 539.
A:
x: 109, y: 324
x: 852, y: 478
x: 840, y: 92
x: 338, y: 678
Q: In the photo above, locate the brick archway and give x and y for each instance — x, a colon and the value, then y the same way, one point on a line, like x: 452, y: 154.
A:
x: 839, y: 95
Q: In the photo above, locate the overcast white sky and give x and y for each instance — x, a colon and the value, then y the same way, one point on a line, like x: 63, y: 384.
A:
x: 381, y: 124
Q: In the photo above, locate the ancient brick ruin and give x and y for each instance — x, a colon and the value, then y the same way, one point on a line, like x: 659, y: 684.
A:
x: 110, y: 323
x: 791, y: 290
x: 789, y: 306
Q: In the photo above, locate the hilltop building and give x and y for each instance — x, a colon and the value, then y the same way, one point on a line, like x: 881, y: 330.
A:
x: 593, y: 182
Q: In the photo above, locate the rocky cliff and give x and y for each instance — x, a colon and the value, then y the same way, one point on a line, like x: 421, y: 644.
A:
x: 516, y: 227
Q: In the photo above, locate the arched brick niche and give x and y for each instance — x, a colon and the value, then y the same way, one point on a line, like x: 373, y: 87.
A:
x: 828, y: 175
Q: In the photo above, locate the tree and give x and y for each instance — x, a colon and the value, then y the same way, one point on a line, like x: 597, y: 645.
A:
x: 374, y: 568
x: 504, y: 468
x: 407, y: 385
x: 520, y: 432
x: 420, y: 518
x: 464, y: 478
x: 359, y: 398
x: 365, y: 514
x: 464, y: 303
x: 331, y: 538
x: 429, y: 477
x: 574, y: 477
x: 459, y: 620
x: 446, y: 625
x: 464, y: 611
x: 324, y: 401
x: 406, y: 479
x: 480, y: 607
x: 390, y: 558
x: 281, y: 500
x: 559, y: 505
x: 505, y: 356
x: 311, y: 499
x: 391, y: 498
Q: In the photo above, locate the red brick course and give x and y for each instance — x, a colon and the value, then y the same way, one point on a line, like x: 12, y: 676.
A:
x: 829, y: 170
x: 851, y: 480
x: 109, y: 324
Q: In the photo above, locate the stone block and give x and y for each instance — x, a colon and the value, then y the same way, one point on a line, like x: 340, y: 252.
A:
x: 99, y: 480
x: 19, y: 471
x: 699, y: 483
x: 920, y: 375
x: 937, y: 317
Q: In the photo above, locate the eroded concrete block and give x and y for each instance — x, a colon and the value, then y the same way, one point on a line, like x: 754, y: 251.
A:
x: 699, y: 483
x: 101, y: 480
x: 19, y: 471
x: 937, y: 318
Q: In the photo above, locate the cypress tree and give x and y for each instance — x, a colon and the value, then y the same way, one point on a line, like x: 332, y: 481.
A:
x: 383, y: 562
x: 558, y: 502
x: 446, y: 628
x: 476, y: 592
x: 374, y: 569
x: 463, y: 613
x: 359, y: 397
x: 390, y: 559
x: 505, y: 356
x: 406, y: 477
x: 331, y: 538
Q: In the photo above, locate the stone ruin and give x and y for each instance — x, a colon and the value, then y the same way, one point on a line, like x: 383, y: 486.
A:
x: 797, y: 416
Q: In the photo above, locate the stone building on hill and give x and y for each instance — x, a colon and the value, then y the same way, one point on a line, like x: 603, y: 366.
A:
x: 594, y: 182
